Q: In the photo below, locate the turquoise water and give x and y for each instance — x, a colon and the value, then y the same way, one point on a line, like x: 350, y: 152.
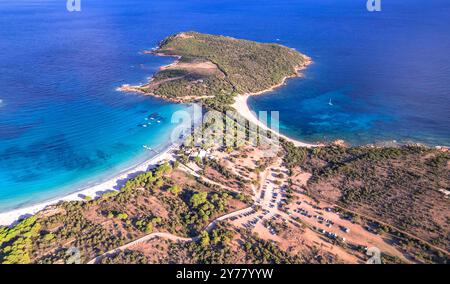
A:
x: 63, y: 125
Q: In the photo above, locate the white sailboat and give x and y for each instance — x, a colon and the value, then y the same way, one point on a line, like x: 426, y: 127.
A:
x: 330, y: 103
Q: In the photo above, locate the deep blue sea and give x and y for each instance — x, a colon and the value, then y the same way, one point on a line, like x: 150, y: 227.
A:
x: 63, y: 126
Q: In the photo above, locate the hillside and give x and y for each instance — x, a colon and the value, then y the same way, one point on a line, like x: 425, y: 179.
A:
x: 406, y: 187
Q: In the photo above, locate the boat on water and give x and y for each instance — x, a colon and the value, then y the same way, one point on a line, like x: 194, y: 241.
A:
x: 155, y: 116
x: 330, y: 103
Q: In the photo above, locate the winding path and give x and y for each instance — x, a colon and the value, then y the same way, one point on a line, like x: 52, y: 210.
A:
x: 171, y: 237
x: 142, y: 240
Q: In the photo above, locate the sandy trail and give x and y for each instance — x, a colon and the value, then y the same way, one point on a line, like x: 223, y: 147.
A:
x: 171, y: 237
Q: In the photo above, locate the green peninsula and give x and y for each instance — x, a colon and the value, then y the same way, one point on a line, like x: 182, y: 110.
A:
x: 218, y: 67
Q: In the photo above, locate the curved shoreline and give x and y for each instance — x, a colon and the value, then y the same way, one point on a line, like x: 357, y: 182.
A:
x: 114, y: 183
x: 9, y: 217
x: 242, y: 106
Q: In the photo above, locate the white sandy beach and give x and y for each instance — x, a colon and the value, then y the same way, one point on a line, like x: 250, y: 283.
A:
x: 241, y: 106
x: 8, y: 218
